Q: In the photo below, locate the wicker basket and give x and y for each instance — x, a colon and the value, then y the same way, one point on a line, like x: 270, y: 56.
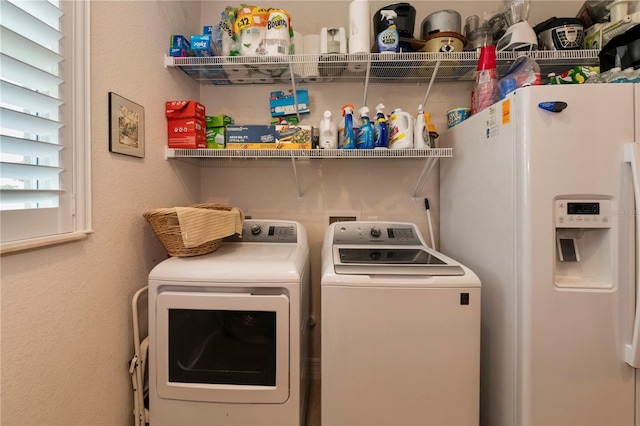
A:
x: 167, y: 227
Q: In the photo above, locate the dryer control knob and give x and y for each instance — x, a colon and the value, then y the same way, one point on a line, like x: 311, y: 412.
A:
x: 256, y: 230
x: 375, y: 232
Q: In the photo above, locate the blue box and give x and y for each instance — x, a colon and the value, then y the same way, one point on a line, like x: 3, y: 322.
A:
x: 179, y: 46
x: 283, y: 102
x: 201, y: 45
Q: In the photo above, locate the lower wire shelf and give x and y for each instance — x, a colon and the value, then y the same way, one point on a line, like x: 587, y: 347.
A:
x: 202, y: 157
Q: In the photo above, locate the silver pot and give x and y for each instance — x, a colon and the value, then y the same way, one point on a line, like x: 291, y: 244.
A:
x: 442, y: 21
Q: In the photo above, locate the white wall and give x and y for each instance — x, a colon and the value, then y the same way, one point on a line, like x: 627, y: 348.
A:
x: 379, y: 188
x: 66, y: 320
x: 66, y: 315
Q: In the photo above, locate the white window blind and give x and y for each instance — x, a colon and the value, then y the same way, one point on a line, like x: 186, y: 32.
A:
x: 44, y: 119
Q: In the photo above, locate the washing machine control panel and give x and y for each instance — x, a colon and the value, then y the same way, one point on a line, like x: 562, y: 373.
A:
x: 376, y: 232
x: 264, y: 231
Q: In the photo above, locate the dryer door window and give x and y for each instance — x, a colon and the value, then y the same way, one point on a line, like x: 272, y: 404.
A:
x: 223, y: 347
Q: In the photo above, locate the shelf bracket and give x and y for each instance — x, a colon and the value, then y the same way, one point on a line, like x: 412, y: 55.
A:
x: 295, y: 93
x: 428, y: 165
x: 433, y: 77
x: 366, y: 81
x: 295, y: 175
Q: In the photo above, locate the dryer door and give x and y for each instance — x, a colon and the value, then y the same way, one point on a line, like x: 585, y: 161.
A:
x: 222, y: 347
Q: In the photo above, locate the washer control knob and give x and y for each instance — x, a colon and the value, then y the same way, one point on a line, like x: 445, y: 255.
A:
x: 256, y: 230
x: 375, y: 232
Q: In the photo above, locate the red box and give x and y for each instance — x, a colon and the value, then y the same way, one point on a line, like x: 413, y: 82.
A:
x: 188, y: 141
x: 186, y: 125
x: 184, y: 109
x: 187, y: 133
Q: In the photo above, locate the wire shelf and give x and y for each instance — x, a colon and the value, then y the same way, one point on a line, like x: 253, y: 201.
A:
x: 300, y: 154
x: 416, y: 68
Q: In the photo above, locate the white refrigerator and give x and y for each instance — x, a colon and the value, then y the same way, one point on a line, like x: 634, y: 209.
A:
x: 543, y: 205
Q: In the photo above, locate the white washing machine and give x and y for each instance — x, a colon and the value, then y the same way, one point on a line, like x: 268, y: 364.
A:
x: 400, y: 330
x: 229, y: 331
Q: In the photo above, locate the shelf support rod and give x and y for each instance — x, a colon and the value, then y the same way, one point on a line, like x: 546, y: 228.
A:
x: 428, y: 165
x: 295, y: 94
x: 366, y: 80
x: 295, y: 175
x: 433, y: 77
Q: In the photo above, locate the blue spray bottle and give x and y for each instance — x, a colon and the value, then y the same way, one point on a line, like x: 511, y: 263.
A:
x: 346, y: 131
x: 366, y: 138
x: 381, y: 129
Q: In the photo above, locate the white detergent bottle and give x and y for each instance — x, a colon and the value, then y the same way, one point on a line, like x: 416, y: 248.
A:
x: 328, y: 132
x: 421, y: 139
x: 400, y: 130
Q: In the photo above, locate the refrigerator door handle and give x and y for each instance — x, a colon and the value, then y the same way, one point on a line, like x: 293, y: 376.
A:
x: 632, y: 350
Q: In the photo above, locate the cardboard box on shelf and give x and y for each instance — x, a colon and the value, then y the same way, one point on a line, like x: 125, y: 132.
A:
x: 219, y: 120
x: 268, y: 137
x: 185, y: 109
x: 185, y: 125
x: 283, y: 103
x: 188, y: 141
x: 186, y: 133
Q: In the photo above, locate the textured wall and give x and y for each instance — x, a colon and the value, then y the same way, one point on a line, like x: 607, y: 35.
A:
x: 66, y: 322
x: 66, y: 310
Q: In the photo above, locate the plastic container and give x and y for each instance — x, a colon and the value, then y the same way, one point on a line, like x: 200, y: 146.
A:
x: 421, y: 131
x: 328, y: 132
x: 365, y: 138
x: 346, y: 130
x: 381, y: 129
x: 433, y: 134
x: 400, y: 130
x: 486, y: 91
x: 388, y: 40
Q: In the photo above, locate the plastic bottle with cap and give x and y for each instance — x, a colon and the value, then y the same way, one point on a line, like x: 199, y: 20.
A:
x: 381, y: 129
x: 388, y: 40
x: 346, y: 133
x: 486, y: 89
x: 433, y: 134
x: 421, y: 131
x: 328, y: 132
x: 365, y: 138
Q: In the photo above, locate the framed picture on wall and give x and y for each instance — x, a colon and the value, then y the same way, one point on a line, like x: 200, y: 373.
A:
x: 126, y: 126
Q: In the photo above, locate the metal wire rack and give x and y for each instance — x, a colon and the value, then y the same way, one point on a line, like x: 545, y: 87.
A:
x: 415, y: 68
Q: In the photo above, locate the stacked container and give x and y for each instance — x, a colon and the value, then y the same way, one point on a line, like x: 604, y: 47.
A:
x: 186, y: 124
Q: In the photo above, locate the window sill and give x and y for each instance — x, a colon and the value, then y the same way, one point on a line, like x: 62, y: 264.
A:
x: 36, y: 243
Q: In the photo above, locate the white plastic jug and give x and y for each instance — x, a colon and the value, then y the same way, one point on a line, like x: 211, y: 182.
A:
x: 400, y: 130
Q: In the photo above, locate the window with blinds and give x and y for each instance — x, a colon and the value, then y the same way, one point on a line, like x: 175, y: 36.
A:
x: 44, y: 118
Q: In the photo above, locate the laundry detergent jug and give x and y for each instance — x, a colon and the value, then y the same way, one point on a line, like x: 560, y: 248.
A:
x: 400, y: 130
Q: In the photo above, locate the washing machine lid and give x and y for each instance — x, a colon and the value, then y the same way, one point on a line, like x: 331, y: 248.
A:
x: 386, y: 248
x: 392, y: 260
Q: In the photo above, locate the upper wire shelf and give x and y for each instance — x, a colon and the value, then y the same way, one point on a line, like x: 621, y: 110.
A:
x: 417, y: 67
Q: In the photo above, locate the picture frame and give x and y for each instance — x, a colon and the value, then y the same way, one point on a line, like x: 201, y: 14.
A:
x: 126, y: 126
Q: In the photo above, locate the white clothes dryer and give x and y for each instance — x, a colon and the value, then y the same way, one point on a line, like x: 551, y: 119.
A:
x: 229, y: 331
x: 400, y: 330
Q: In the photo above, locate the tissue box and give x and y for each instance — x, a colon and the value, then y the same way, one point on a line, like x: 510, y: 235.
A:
x: 215, y: 137
x: 185, y: 109
x: 283, y: 102
x: 219, y: 120
x: 268, y: 137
